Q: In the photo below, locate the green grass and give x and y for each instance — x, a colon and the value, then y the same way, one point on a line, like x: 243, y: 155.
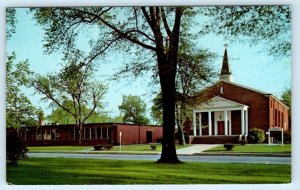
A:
x: 91, y: 171
x: 70, y: 149
x: 254, y: 148
x: 58, y: 148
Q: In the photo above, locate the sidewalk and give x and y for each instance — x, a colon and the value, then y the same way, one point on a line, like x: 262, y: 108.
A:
x: 195, y: 148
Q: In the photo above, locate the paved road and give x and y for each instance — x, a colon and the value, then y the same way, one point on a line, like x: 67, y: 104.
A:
x: 216, y: 159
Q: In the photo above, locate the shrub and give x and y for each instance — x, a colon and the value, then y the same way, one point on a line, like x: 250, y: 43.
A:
x: 287, y: 138
x: 256, y: 135
x: 103, y: 147
x: 153, y: 146
x: 15, y: 149
x: 228, y: 146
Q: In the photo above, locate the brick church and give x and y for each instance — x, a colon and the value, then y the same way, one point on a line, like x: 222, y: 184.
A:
x: 227, y: 111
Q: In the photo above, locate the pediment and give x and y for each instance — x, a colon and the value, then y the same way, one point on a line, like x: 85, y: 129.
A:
x: 218, y: 102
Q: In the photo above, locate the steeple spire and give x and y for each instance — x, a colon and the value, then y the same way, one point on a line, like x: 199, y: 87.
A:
x: 225, y: 71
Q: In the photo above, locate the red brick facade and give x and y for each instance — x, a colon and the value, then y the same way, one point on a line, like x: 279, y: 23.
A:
x: 95, y: 133
x: 264, y: 112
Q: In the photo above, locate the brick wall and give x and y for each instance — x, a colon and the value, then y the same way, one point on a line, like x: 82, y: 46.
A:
x: 258, y: 112
x: 135, y: 134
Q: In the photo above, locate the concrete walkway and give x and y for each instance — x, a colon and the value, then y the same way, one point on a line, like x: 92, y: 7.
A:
x: 195, y: 148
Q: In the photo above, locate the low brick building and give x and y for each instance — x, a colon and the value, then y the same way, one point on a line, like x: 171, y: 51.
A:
x: 226, y: 110
x: 93, y: 133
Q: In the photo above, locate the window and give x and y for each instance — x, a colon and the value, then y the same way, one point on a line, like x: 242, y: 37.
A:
x: 99, y: 133
x: 93, y: 133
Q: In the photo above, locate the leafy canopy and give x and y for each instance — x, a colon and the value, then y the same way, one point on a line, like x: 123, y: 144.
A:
x: 133, y: 109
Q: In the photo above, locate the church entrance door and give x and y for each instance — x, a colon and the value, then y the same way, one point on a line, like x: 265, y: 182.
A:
x: 221, y: 128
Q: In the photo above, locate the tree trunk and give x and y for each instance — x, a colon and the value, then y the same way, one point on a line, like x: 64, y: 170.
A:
x: 80, y: 134
x: 167, y: 73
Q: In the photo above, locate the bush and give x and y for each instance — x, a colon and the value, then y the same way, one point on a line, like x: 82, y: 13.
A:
x: 287, y: 138
x: 15, y: 149
x: 103, y: 147
x: 256, y: 135
x: 228, y: 146
x: 153, y: 146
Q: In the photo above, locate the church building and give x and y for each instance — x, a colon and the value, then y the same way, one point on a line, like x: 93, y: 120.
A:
x: 227, y: 111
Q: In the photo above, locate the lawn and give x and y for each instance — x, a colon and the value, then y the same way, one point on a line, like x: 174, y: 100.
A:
x: 91, y: 171
x: 69, y: 149
x: 254, y: 148
x: 58, y: 148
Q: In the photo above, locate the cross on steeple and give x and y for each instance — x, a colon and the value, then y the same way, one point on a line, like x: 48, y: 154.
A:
x: 225, y: 45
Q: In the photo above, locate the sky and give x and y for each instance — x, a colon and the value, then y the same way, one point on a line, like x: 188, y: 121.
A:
x: 249, y: 65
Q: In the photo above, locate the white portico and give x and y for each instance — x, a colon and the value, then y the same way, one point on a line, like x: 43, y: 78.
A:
x: 214, y: 117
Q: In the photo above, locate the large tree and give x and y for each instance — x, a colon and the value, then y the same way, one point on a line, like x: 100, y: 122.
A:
x: 133, y: 109
x: 73, y: 83
x: 152, y: 30
x: 151, y: 33
x: 19, y: 110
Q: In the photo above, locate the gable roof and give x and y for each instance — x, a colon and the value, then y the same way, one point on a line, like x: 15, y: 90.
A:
x: 219, y: 102
x: 248, y: 88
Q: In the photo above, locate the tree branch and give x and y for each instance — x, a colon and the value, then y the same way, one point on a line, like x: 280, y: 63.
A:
x: 119, y: 32
x: 165, y: 22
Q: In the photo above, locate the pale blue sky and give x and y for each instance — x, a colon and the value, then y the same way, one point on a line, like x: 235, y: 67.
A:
x: 249, y: 65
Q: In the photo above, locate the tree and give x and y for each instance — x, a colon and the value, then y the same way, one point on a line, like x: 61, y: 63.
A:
x: 133, y: 109
x: 15, y: 149
x: 153, y: 33
x: 60, y: 116
x: 10, y: 22
x: 286, y: 99
x: 194, y: 71
x: 269, y: 25
x: 19, y: 110
x: 72, y: 83
x: 156, y: 109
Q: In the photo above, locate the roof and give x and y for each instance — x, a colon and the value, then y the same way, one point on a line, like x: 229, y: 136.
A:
x: 249, y: 88
x: 218, y: 102
x: 103, y: 124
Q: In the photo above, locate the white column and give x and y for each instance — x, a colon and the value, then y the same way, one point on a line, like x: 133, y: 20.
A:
x: 200, y: 124
x: 209, y: 123
x: 106, y: 132
x: 216, y: 123
x: 242, y: 122
x: 225, y: 122
x: 194, y: 123
x: 229, y: 119
x: 246, y: 125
